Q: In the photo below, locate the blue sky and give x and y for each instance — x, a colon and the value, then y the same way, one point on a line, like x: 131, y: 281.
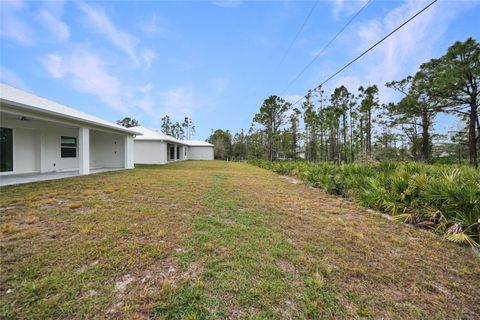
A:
x: 215, y: 61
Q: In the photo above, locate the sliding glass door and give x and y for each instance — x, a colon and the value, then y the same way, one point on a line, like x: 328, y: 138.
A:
x: 171, y: 151
x: 6, y: 149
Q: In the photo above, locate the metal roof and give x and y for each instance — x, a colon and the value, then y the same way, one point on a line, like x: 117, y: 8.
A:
x: 152, y: 135
x: 149, y: 134
x: 26, y: 100
x: 198, y: 143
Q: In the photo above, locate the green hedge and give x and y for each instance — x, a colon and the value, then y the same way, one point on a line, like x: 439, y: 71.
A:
x: 444, y: 198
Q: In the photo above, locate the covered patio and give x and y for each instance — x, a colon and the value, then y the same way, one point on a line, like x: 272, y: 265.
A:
x: 33, y: 177
x: 43, y: 140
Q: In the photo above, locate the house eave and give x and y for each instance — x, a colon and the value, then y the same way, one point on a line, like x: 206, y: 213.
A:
x: 42, y: 111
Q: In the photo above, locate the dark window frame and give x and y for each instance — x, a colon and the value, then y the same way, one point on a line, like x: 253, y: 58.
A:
x: 7, y: 162
x: 68, y: 150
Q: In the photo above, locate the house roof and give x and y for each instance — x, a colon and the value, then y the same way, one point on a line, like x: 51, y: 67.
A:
x: 151, y: 135
x: 30, y: 101
x: 198, y: 143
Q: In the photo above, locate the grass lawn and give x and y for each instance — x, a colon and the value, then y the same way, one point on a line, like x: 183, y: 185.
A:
x: 207, y: 240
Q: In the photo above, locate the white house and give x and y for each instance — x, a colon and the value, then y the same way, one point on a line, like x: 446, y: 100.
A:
x: 39, y: 136
x: 154, y: 147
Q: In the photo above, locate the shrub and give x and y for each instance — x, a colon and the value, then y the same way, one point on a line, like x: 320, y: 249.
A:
x: 444, y: 198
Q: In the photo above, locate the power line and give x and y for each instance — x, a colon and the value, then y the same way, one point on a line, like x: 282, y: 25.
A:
x: 325, y: 47
x: 370, y: 48
x: 298, y: 33
x: 275, y: 71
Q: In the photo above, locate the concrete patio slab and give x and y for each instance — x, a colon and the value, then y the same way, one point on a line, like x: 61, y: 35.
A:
x: 8, y: 180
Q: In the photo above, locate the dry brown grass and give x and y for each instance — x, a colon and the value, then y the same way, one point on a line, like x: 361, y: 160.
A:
x: 218, y: 240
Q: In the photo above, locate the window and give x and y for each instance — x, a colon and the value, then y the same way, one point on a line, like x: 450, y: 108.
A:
x: 69, y: 147
x: 6, y: 149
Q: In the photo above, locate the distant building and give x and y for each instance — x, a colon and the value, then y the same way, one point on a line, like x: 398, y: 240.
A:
x: 154, y: 147
x: 300, y: 153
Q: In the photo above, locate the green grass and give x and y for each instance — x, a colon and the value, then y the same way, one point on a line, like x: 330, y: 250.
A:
x: 209, y: 240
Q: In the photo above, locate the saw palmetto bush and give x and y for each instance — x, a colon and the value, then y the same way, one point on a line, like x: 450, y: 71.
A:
x: 443, y: 198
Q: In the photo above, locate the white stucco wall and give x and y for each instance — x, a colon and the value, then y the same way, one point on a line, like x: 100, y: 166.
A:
x: 106, y: 150
x: 150, y: 152
x: 26, y: 146
x: 200, y: 153
x: 53, y: 158
x: 129, y: 153
x: 37, y: 146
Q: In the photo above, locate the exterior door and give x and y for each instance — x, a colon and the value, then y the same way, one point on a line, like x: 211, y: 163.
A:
x: 6, y: 149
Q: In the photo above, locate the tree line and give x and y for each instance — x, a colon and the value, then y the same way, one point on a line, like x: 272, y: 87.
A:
x: 347, y: 127
x: 182, y: 131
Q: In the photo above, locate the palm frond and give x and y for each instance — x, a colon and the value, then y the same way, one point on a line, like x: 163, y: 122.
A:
x: 462, y: 238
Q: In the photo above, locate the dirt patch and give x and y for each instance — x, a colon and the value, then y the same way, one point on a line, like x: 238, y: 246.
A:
x: 287, y: 266
x: 291, y: 179
x: 121, y: 286
x: 55, y: 204
x: 86, y: 266
x: 7, y: 208
x: 195, y: 269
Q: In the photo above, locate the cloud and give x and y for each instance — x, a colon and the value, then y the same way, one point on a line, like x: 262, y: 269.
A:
x: 147, y: 105
x: 402, y: 53
x: 337, y: 7
x: 146, y: 88
x: 147, y: 56
x: 218, y: 84
x: 157, y: 26
x: 178, y: 102
x: 102, y: 24
x: 227, y: 3
x: 56, y: 26
x: 87, y: 72
x: 12, y: 27
x: 10, y: 77
x: 151, y: 26
x: 13, y: 4
x: 54, y: 65
x: 346, y: 7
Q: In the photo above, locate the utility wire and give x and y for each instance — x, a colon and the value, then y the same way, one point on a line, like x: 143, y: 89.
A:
x: 275, y: 71
x: 370, y: 48
x: 325, y: 47
x: 298, y: 34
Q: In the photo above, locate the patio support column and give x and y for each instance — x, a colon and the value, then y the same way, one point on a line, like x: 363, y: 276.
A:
x: 129, y: 153
x: 83, y: 150
x: 41, y: 146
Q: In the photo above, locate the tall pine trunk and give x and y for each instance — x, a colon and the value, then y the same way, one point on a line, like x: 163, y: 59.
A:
x: 345, y: 136
x: 361, y: 139
x: 426, y: 149
x: 472, y: 134
x: 369, y: 134
x: 352, y: 156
